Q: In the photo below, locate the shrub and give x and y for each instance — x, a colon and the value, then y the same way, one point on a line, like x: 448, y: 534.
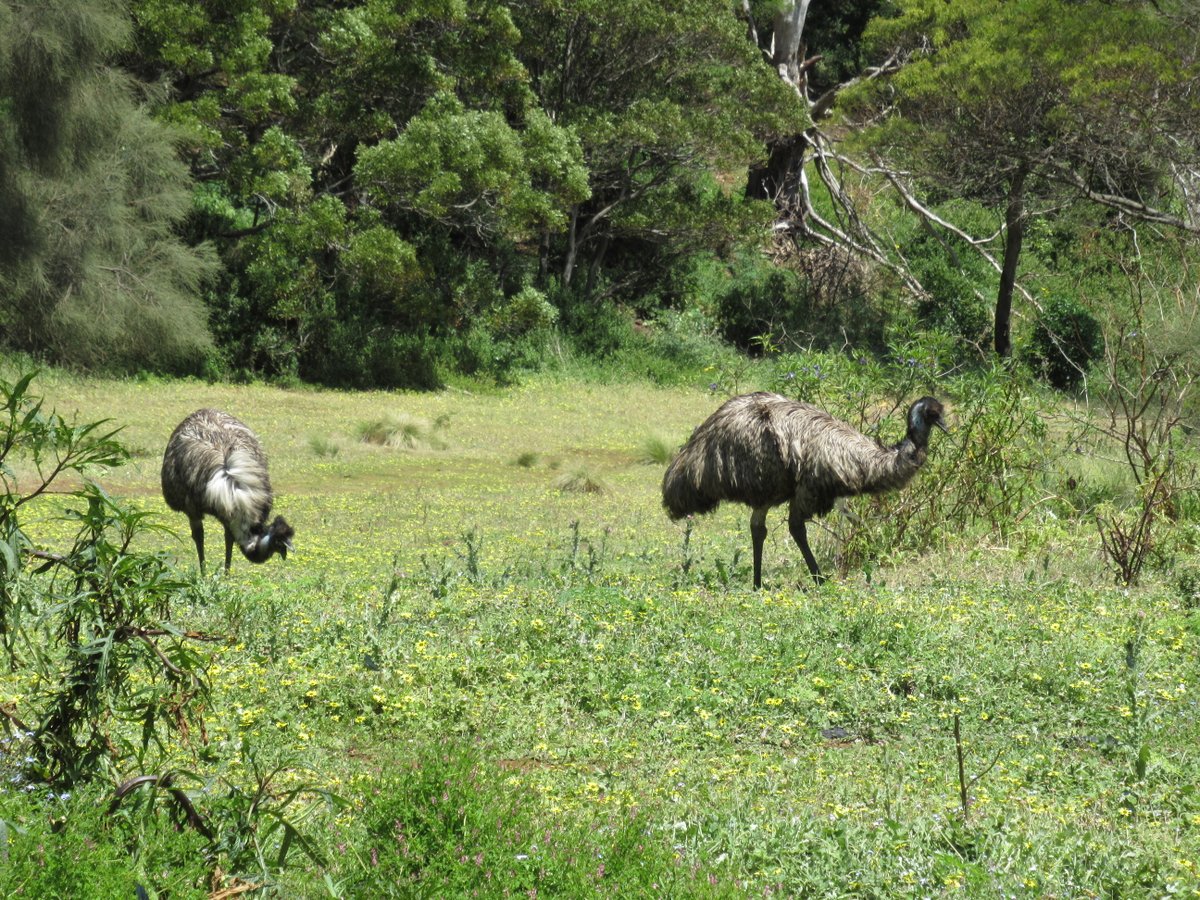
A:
x: 820, y: 299
x: 1066, y: 340
x: 89, y: 629
x: 527, y: 310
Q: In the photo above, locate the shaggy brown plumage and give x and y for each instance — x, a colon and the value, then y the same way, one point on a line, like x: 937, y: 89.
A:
x: 763, y: 450
x: 214, y: 465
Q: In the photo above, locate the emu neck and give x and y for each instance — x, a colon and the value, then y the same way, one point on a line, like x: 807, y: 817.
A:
x: 912, y: 449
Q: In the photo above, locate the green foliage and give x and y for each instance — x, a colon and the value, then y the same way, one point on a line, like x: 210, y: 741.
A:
x: 985, y: 475
x: 819, y: 299
x: 960, y: 285
x: 471, y: 171
x: 112, y: 676
x: 1066, y: 341
x: 1007, y: 103
x: 764, y: 301
x: 381, y: 265
x: 71, y: 846
x: 447, y: 823
x: 527, y: 310
x: 92, y: 272
x: 464, y: 191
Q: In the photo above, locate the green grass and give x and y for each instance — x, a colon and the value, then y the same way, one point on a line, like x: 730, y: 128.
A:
x: 450, y: 618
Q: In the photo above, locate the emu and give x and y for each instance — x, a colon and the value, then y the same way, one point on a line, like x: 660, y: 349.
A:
x: 762, y: 449
x: 215, y: 465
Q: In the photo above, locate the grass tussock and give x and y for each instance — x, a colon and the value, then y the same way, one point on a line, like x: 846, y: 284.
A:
x: 324, y: 446
x: 403, y: 431
x: 656, y: 451
x: 580, y: 481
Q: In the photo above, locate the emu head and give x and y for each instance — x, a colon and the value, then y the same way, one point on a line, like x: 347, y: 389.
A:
x: 275, y: 539
x: 923, y: 415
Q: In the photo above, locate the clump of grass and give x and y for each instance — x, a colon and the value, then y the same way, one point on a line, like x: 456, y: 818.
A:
x: 404, y: 431
x: 655, y: 451
x: 580, y: 481
x: 321, y: 445
x: 451, y: 824
x: 526, y: 460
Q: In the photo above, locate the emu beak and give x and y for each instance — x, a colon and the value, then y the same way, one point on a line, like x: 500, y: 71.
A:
x: 286, y: 549
x: 942, y: 425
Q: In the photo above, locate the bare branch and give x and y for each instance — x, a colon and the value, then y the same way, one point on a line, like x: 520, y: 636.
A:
x: 823, y: 105
x: 1128, y: 205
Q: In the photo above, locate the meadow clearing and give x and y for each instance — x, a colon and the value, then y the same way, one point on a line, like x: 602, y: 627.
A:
x: 500, y: 594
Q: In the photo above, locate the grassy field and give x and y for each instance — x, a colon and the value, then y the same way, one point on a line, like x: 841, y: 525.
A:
x: 462, y: 592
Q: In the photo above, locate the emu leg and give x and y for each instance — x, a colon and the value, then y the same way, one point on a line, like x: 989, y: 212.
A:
x: 198, y: 540
x: 800, y: 536
x: 758, y: 534
x: 228, y: 548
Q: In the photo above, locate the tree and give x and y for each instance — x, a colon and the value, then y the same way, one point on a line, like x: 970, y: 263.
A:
x: 374, y: 173
x: 1030, y: 105
x: 783, y: 33
x: 91, y: 189
x: 665, y: 98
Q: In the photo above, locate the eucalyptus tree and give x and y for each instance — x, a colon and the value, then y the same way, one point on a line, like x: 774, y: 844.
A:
x: 1024, y: 106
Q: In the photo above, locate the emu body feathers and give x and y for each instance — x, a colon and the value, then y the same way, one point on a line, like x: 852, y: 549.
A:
x: 214, y: 465
x: 764, y: 450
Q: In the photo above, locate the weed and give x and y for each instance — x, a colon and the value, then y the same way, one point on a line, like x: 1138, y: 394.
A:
x: 595, y: 554
x: 447, y: 823
x: 472, y: 544
x: 527, y: 459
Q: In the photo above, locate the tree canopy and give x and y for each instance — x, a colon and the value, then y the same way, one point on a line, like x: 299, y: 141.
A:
x: 356, y: 192
x: 1026, y: 106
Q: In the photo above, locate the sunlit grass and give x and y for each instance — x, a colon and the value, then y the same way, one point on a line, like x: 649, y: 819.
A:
x: 794, y: 740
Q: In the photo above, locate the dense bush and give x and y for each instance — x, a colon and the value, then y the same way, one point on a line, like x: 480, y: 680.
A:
x: 819, y: 298
x: 960, y: 291
x: 1066, y: 340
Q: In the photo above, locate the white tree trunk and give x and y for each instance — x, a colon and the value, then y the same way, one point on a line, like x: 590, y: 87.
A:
x: 788, y: 51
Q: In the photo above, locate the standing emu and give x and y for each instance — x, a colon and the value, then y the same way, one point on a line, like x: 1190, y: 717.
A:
x: 215, y: 465
x: 763, y: 450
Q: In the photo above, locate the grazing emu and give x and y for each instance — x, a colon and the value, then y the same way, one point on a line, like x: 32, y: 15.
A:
x: 215, y: 465
x: 763, y: 450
